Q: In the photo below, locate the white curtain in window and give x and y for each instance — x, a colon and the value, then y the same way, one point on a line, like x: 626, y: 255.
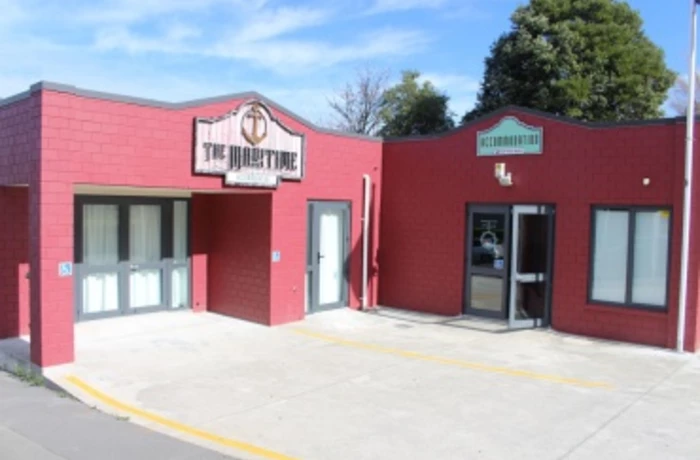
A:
x: 180, y: 284
x: 610, y: 255
x: 100, y: 247
x: 650, y: 258
x: 144, y: 246
x: 331, y: 263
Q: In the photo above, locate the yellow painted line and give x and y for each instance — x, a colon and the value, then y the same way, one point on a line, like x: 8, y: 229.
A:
x: 455, y: 362
x: 195, y: 432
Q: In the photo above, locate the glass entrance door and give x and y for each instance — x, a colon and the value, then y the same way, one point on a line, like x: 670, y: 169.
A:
x: 145, y: 256
x: 131, y: 255
x: 531, y: 262
x: 327, y: 255
x: 487, y: 261
x: 99, y: 283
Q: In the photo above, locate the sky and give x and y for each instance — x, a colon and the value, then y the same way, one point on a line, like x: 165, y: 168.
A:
x: 298, y: 53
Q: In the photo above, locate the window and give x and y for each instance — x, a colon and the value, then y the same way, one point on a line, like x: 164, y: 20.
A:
x: 629, y: 256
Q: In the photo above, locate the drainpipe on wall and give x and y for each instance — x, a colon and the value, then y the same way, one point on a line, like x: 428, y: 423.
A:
x: 688, y: 183
x: 367, y: 183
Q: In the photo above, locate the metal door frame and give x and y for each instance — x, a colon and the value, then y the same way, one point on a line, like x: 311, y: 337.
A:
x: 516, y: 211
x: 491, y: 272
x: 123, y: 267
x: 312, y: 253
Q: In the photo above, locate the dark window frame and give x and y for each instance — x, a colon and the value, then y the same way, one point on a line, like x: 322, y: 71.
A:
x: 167, y: 244
x: 632, y: 211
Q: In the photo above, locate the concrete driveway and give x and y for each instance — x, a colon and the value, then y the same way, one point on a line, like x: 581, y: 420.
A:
x: 388, y: 385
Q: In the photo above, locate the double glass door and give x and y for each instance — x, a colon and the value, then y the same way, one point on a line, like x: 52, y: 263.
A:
x: 509, y: 260
x: 131, y: 255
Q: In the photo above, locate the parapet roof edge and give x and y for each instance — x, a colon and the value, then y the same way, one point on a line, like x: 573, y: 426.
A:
x: 64, y: 88
x: 541, y: 114
x: 71, y: 89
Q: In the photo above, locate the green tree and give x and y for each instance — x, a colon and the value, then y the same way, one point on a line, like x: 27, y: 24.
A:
x: 586, y: 59
x: 410, y: 108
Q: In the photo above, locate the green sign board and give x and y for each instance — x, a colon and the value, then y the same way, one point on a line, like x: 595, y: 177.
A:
x: 509, y: 137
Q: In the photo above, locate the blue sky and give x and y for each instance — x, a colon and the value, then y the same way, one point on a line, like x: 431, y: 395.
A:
x: 295, y: 52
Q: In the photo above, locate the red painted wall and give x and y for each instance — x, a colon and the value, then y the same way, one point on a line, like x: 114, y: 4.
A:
x: 428, y: 183
x: 19, y: 139
x: 239, y: 256
x: 14, y: 263
x: 200, y: 228
x: 334, y: 174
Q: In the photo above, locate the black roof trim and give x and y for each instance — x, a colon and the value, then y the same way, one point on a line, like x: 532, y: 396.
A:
x: 60, y: 87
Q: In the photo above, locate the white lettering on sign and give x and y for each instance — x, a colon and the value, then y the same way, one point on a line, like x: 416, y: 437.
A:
x: 246, y: 141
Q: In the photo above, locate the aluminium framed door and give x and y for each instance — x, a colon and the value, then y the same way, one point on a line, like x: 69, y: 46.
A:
x: 531, y: 266
x: 487, y: 258
x: 328, y: 255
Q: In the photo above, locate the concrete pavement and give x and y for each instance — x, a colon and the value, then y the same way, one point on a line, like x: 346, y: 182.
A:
x: 348, y: 385
x: 39, y: 424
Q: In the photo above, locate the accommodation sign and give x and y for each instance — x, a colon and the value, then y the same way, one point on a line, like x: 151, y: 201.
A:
x: 249, y: 147
x: 509, y: 136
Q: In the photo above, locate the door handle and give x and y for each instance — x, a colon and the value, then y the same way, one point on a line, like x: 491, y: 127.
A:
x: 319, y: 257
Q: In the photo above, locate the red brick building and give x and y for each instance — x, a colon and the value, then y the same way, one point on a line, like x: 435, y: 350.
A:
x: 116, y: 205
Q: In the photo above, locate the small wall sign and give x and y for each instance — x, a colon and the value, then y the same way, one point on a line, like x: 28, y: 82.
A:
x: 276, y: 256
x: 510, y: 136
x: 65, y: 269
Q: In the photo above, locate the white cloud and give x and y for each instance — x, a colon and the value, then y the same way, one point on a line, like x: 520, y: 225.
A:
x: 384, y: 6
x: 297, y: 55
x: 12, y: 12
x: 272, y: 23
x: 130, y: 11
x: 172, y: 40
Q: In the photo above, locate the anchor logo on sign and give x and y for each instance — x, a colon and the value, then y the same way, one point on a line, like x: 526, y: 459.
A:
x: 257, y: 125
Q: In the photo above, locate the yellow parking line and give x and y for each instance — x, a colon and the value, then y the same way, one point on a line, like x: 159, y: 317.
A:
x: 197, y: 433
x: 454, y: 362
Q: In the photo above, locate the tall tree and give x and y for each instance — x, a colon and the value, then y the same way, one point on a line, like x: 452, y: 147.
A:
x: 587, y: 59
x: 411, y: 108
x: 356, y: 107
x: 678, y: 100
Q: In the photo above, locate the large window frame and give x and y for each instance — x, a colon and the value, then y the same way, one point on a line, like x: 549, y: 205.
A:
x: 631, y: 228
x: 168, y: 262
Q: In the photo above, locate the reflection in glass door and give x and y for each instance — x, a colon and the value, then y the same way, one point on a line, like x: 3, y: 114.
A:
x: 145, y: 257
x: 487, y: 261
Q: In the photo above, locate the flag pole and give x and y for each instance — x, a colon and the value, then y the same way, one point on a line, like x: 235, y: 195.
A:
x: 688, y: 183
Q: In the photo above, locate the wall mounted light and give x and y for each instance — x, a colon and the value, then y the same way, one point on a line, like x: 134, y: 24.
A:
x: 504, y: 178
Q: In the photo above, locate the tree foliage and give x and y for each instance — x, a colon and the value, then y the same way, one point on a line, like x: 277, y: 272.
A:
x: 411, y: 108
x: 678, y: 100
x: 587, y: 59
x: 357, y: 106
